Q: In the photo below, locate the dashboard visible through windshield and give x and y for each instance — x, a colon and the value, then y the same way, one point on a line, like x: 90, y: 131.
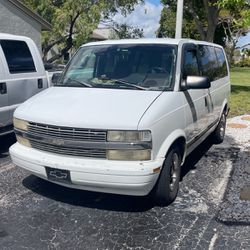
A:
x: 122, y: 66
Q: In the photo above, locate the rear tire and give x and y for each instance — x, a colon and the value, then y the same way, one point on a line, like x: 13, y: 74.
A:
x: 219, y: 133
x: 167, y: 186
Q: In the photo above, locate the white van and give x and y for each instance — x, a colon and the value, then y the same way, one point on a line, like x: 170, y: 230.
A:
x: 124, y: 116
x: 22, y: 75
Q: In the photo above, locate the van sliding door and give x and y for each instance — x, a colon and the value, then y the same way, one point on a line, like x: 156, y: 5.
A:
x: 195, y: 108
x: 209, y: 68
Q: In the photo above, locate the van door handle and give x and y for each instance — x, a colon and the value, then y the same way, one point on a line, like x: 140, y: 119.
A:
x: 3, y: 88
x: 40, y: 83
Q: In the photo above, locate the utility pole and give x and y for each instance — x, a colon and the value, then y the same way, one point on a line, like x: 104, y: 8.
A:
x: 179, y: 18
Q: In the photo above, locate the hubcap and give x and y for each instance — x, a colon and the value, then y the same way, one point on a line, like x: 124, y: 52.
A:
x: 174, y: 171
x: 222, y: 125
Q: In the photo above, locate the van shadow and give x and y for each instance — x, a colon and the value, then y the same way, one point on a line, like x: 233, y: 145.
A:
x: 104, y: 201
x: 76, y: 197
x: 5, y: 143
x: 195, y: 156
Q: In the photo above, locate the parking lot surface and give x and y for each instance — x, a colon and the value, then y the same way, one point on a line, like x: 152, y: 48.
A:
x: 36, y: 214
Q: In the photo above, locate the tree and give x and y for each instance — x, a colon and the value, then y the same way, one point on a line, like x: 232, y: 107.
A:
x: 205, y: 18
x: 73, y: 21
x: 125, y: 31
x: 235, y: 20
x: 167, y: 25
x: 246, y: 53
x: 201, y: 16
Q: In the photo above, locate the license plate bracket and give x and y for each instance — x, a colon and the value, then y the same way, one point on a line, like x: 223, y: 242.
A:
x: 58, y: 175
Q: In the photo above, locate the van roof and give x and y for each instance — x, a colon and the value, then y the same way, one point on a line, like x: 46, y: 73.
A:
x: 7, y: 36
x: 150, y: 41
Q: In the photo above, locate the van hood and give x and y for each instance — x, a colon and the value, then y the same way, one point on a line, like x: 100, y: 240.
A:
x: 87, y: 107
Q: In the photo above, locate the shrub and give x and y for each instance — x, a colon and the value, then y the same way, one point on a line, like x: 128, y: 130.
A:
x: 243, y: 63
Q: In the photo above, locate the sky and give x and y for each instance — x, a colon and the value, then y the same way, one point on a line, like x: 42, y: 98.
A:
x: 156, y: 2
x: 244, y: 40
x: 145, y: 16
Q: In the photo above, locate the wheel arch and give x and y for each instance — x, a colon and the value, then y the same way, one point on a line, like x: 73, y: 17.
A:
x: 176, y: 138
x: 225, y: 107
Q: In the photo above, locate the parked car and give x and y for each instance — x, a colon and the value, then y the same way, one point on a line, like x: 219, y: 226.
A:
x: 22, y: 75
x: 125, y: 115
x: 53, y: 71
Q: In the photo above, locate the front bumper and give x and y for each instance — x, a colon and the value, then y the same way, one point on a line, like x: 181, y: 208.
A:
x: 119, y: 177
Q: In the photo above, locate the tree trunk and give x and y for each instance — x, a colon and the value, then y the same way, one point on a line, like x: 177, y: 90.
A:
x: 212, y: 15
x: 48, y: 46
x: 198, y: 22
x: 69, y: 41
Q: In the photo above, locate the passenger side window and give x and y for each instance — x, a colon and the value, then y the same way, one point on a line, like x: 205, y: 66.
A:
x: 18, y: 56
x: 191, y: 67
x: 222, y: 66
x: 208, y: 62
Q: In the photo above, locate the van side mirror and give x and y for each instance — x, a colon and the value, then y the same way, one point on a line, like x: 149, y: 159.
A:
x: 197, y: 82
x: 56, y: 77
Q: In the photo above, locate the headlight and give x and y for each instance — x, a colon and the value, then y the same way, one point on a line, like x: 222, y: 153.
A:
x: 23, y: 141
x: 129, y: 136
x: 129, y: 155
x: 20, y: 124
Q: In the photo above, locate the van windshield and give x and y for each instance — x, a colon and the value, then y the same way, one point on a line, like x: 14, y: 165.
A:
x: 123, y: 66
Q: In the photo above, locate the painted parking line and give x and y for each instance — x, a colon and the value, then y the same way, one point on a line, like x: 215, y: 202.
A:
x: 212, y: 242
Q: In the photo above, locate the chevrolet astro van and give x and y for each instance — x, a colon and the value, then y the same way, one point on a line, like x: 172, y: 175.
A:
x: 22, y: 75
x: 124, y: 116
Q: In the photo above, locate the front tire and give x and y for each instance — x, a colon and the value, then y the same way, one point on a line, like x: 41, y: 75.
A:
x: 167, y: 186
x: 219, y: 133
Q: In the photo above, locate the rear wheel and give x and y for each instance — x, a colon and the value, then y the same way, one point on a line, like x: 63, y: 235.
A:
x: 219, y: 133
x: 167, y: 186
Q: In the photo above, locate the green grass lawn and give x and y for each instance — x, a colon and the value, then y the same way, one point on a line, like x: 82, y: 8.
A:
x: 240, y: 91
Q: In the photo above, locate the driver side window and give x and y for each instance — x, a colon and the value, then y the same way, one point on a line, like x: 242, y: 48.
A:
x: 191, y: 67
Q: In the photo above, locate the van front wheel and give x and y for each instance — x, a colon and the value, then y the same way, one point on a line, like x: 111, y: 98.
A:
x: 219, y: 133
x: 167, y: 186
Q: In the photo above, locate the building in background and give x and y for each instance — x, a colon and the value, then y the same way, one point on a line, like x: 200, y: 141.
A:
x: 18, y: 19
x: 102, y: 34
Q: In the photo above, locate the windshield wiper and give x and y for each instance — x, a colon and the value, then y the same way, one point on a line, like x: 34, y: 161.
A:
x: 78, y: 82
x: 128, y: 84
x: 104, y: 77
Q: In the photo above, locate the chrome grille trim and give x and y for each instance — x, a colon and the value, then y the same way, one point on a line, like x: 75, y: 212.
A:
x: 95, y: 153
x: 68, y: 133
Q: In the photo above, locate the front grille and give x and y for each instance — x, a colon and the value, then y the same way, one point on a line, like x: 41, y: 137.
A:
x: 94, y: 153
x: 67, y: 133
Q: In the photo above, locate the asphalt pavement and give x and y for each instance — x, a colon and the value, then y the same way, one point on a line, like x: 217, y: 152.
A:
x: 36, y: 214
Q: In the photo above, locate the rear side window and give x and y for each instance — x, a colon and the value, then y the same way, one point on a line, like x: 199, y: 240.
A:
x: 208, y: 62
x: 191, y: 67
x: 222, y: 65
x: 18, y: 56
